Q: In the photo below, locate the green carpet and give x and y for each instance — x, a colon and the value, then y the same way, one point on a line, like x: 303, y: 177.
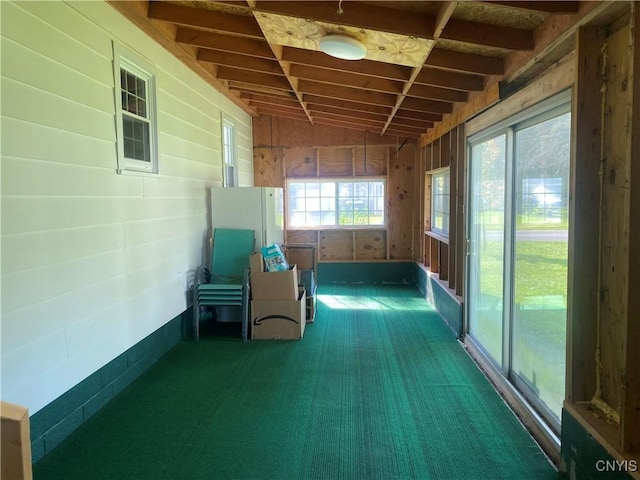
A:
x: 378, y: 389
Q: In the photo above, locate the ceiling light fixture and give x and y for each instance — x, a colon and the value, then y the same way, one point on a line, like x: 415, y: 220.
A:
x: 343, y: 47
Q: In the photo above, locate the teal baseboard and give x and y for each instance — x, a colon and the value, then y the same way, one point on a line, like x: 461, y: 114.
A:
x: 366, y: 272
x: 583, y: 457
x: 52, y: 424
x: 448, y: 306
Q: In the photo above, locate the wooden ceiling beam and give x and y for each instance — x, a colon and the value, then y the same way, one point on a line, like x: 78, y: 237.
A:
x: 346, y: 104
x: 373, y: 17
x: 437, y: 93
x: 275, y: 107
x: 465, y: 62
x: 237, y: 3
x: 239, y: 61
x: 224, y: 43
x: 400, y: 133
x: 136, y: 12
x: 266, y: 111
x: 297, y: 110
x: 424, y: 116
x: 488, y: 35
x: 408, y: 128
x: 347, y: 125
x: 270, y: 100
x: 346, y: 113
x: 421, y: 105
x: 559, y: 7
x: 253, y: 78
x: 412, y: 123
x: 262, y: 90
x: 355, y: 14
x: 206, y: 19
x: 353, y: 120
x: 364, y: 67
x: 454, y: 80
x: 346, y: 79
x: 346, y: 93
x: 442, y: 18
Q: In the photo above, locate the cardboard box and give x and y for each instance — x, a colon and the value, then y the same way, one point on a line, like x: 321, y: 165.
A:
x: 279, y: 319
x: 256, y: 262
x: 275, y: 285
x: 15, y: 453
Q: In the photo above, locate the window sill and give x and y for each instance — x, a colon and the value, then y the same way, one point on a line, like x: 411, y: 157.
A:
x: 137, y: 173
x: 340, y: 227
x: 438, y: 236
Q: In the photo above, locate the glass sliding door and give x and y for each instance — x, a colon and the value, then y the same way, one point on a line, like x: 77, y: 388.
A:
x: 542, y: 153
x: 516, y: 297
x: 486, y: 244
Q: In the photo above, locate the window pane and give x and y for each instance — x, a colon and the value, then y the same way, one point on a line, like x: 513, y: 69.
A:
x: 313, y: 204
x: 130, y: 103
x: 296, y: 189
x: 328, y: 204
x: 345, y: 205
x: 136, y: 139
x: 328, y: 218
x: 345, y: 189
x: 313, y: 218
x: 312, y: 189
x: 486, y: 249
x: 328, y: 189
x: 228, y: 154
x: 141, y: 89
x: 354, y: 205
x: 360, y: 189
x: 141, y: 108
x: 541, y: 258
x: 440, y: 201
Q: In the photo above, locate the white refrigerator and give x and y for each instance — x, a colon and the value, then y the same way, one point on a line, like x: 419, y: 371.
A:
x: 254, y: 208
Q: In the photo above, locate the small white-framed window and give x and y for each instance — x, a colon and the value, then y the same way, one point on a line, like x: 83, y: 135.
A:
x: 313, y: 203
x: 229, y: 155
x: 440, y: 198
x: 135, y: 99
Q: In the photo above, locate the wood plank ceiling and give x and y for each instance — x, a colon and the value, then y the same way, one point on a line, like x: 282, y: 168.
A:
x: 422, y: 56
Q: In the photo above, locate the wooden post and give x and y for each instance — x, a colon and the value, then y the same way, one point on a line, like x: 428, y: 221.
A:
x: 630, y: 417
x: 582, y: 301
x: 460, y: 230
x: 453, y: 207
x: 434, y: 256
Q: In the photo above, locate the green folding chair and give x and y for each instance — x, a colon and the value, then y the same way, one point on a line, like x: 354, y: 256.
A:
x: 226, y: 282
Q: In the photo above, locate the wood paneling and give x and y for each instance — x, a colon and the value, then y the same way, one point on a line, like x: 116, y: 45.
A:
x: 302, y: 236
x: 402, y: 236
x: 445, y: 255
x: 268, y: 164
x: 401, y: 216
x: 335, y: 162
x: 336, y: 245
x: 300, y: 162
x: 371, y: 244
x: 370, y: 160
